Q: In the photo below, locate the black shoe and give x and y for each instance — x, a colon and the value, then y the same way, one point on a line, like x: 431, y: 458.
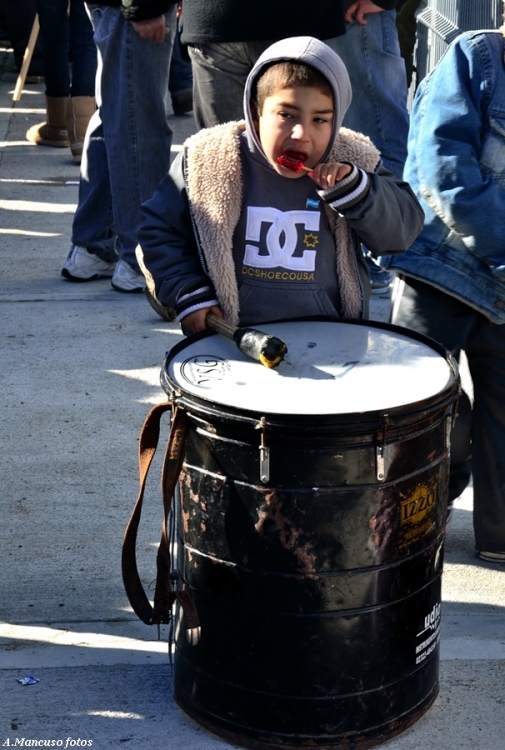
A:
x: 182, y: 103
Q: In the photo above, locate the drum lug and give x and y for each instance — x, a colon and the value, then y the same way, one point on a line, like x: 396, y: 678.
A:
x: 264, y: 454
x: 380, y: 463
x: 264, y: 463
x: 380, y: 452
x: 448, y: 430
x: 193, y: 636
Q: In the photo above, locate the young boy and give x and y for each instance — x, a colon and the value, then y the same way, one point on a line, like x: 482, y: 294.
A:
x: 455, y: 271
x: 232, y: 231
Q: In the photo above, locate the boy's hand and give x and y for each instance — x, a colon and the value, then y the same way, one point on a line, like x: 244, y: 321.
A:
x: 342, y: 184
x: 326, y: 175
x: 197, y: 321
x: 359, y: 8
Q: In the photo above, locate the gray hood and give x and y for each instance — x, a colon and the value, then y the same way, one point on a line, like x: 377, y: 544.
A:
x: 304, y: 49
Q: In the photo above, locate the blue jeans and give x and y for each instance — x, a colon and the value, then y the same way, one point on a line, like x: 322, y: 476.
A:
x: 67, y: 35
x: 127, y: 146
x: 371, y: 54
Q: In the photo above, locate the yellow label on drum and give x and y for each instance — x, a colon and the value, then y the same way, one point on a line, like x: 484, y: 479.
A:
x: 416, y: 507
x: 417, y: 514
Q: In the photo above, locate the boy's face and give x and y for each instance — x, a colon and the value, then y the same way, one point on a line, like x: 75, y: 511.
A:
x: 299, y: 119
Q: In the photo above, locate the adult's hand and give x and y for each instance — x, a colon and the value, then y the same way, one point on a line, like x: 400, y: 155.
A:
x: 359, y: 8
x: 152, y: 28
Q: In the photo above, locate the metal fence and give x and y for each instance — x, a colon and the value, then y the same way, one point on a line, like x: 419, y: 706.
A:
x: 439, y: 22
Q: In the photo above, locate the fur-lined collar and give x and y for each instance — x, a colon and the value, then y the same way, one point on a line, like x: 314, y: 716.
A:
x: 214, y: 186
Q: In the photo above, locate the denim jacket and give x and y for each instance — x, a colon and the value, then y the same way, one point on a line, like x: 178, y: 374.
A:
x: 456, y: 167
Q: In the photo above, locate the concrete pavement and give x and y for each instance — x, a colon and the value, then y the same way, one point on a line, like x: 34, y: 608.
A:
x: 80, y: 370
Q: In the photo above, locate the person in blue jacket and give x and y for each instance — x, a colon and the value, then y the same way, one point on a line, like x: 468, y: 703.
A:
x: 454, y: 272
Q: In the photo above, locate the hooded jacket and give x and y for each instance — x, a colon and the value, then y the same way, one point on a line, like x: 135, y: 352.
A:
x: 187, y: 232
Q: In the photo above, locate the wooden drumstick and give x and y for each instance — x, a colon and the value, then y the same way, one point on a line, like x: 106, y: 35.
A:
x: 263, y: 347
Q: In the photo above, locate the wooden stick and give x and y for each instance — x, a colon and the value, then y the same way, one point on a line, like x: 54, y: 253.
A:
x: 221, y: 326
x: 27, y: 58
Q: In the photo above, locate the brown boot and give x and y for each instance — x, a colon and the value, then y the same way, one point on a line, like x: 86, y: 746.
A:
x: 79, y: 112
x: 54, y: 131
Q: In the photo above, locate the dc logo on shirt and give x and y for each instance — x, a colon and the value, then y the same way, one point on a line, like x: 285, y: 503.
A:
x: 281, y: 238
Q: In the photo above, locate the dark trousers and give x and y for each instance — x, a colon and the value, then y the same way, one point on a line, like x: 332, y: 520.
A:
x: 18, y: 16
x: 479, y: 428
x: 406, y: 23
x: 68, y: 52
x: 181, y: 72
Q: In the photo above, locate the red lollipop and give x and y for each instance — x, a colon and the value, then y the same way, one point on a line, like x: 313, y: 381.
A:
x: 293, y: 160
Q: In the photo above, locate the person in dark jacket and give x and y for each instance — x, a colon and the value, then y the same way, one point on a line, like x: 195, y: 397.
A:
x: 127, y: 145
x: 233, y: 229
x: 226, y: 37
x: 454, y: 272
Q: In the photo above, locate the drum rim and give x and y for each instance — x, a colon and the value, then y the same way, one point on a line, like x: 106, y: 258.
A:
x: 207, y: 406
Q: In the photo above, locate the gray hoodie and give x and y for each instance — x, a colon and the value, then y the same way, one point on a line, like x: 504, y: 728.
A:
x: 283, y: 244
x: 317, y: 54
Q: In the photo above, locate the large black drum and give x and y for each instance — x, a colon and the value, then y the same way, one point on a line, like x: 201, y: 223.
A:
x: 313, y: 500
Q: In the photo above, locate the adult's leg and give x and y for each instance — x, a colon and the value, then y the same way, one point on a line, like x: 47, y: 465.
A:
x: 93, y: 224
x: 54, y: 33
x: 19, y: 16
x: 132, y: 104
x: 181, y: 71
x: 441, y: 317
x: 485, y: 350
x: 83, y: 54
x: 371, y: 53
x: 406, y: 23
x: 219, y: 75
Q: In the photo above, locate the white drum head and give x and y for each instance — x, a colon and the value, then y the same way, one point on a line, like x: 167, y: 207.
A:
x: 330, y: 368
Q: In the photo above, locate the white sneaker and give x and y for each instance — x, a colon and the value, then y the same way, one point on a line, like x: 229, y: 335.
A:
x: 82, y: 265
x: 125, y: 279
x: 494, y: 557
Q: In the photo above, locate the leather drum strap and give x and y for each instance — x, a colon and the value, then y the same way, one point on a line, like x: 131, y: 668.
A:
x: 174, y: 457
